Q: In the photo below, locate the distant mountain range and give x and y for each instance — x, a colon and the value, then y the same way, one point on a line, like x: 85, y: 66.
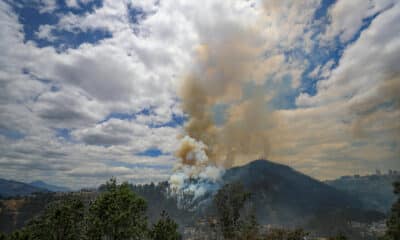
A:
x: 279, y: 195
x: 282, y: 195
x: 10, y: 188
x: 51, y: 188
x: 375, y: 191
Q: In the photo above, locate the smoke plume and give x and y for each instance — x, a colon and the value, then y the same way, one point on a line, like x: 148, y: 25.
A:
x: 224, y: 65
x: 194, y: 176
x: 223, y: 68
x: 373, y: 107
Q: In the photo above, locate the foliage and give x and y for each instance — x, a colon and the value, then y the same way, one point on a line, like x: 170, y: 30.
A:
x: 229, y: 202
x: 283, y: 234
x: 118, y: 213
x: 275, y: 234
x: 375, y: 191
x: 24, y: 210
x: 249, y: 229
x: 393, y: 223
x: 165, y: 229
x: 21, y: 235
x: 233, y: 219
x: 235, y: 223
x: 2, y: 236
x: 157, y: 196
x: 62, y: 220
x: 339, y: 236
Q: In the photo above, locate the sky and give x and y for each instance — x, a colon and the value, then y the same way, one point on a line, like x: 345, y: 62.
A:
x: 89, y: 89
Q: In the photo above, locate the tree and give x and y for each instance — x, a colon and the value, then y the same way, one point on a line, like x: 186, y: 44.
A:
x: 339, y: 236
x: 249, y: 229
x: 275, y: 234
x: 393, y: 223
x: 62, y: 220
x: 284, y: 234
x: 2, y: 236
x: 297, y: 234
x: 20, y: 235
x: 229, y: 203
x: 165, y: 229
x: 117, y: 213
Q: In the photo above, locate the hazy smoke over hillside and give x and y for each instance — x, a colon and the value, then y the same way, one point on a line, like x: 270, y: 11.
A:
x: 368, y: 111
x: 224, y: 64
x: 195, y: 176
x: 223, y: 67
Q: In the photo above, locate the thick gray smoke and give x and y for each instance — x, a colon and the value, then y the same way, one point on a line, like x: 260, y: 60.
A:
x: 224, y: 64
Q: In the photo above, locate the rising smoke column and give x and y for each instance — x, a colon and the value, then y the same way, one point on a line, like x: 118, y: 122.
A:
x: 223, y: 68
x: 194, y: 176
x: 224, y: 64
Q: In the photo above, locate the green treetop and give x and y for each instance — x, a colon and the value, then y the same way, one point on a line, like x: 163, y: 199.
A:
x: 117, y: 213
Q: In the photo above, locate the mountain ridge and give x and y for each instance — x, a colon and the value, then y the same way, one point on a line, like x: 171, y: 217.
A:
x: 280, y: 196
x: 280, y: 193
x: 11, y: 188
x: 50, y: 187
x: 375, y: 190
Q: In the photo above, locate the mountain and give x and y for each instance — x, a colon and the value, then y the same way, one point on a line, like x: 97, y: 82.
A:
x: 158, y: 200
x: 16, y: 212
x: 9, y: 188
x: 279, y: 195
x: 51, y: 188
x: 375, y: 191
x: 282, y: 195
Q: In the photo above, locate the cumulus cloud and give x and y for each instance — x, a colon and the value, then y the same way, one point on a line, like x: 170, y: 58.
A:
x: 45, y: 90
x: 359, y: 70
x: 356, y: 106
x: 347, y: 17
x: 89, y: 111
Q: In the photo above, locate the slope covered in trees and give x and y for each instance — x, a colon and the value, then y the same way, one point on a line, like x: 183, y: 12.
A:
x: 9, y: 188
x: 285, y: 196
x: 375, y: 191
x: 117, y: 213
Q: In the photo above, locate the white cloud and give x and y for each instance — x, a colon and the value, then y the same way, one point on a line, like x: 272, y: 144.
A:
x: 138, y: 136
x: 364, y: 65
x: 351, y: 121
x: 141, y: 66
x: 72, y: 3
x: 347, y: 17
x: 47, y: 5
x: 118, y: 75
x: 45, y: 32
x: 68, y: 108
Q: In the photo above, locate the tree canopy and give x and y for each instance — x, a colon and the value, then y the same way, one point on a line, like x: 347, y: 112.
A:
x: 393, y: 223
x: 118, y: 213
x: 229, y: 202
x: 165, y: 229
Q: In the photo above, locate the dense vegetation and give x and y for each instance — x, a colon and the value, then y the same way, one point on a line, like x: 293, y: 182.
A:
x: 119, y: 212
x: 375, y: 191
x: 116, y: 214
x: 9, y: 188
x: 234, y: 219
x: 393, y: 223
x: 287, y: 197
x: 159, y: 200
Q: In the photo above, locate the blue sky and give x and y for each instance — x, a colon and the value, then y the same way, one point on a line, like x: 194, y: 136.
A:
x: 93, y: 80
x: 31, y: 16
